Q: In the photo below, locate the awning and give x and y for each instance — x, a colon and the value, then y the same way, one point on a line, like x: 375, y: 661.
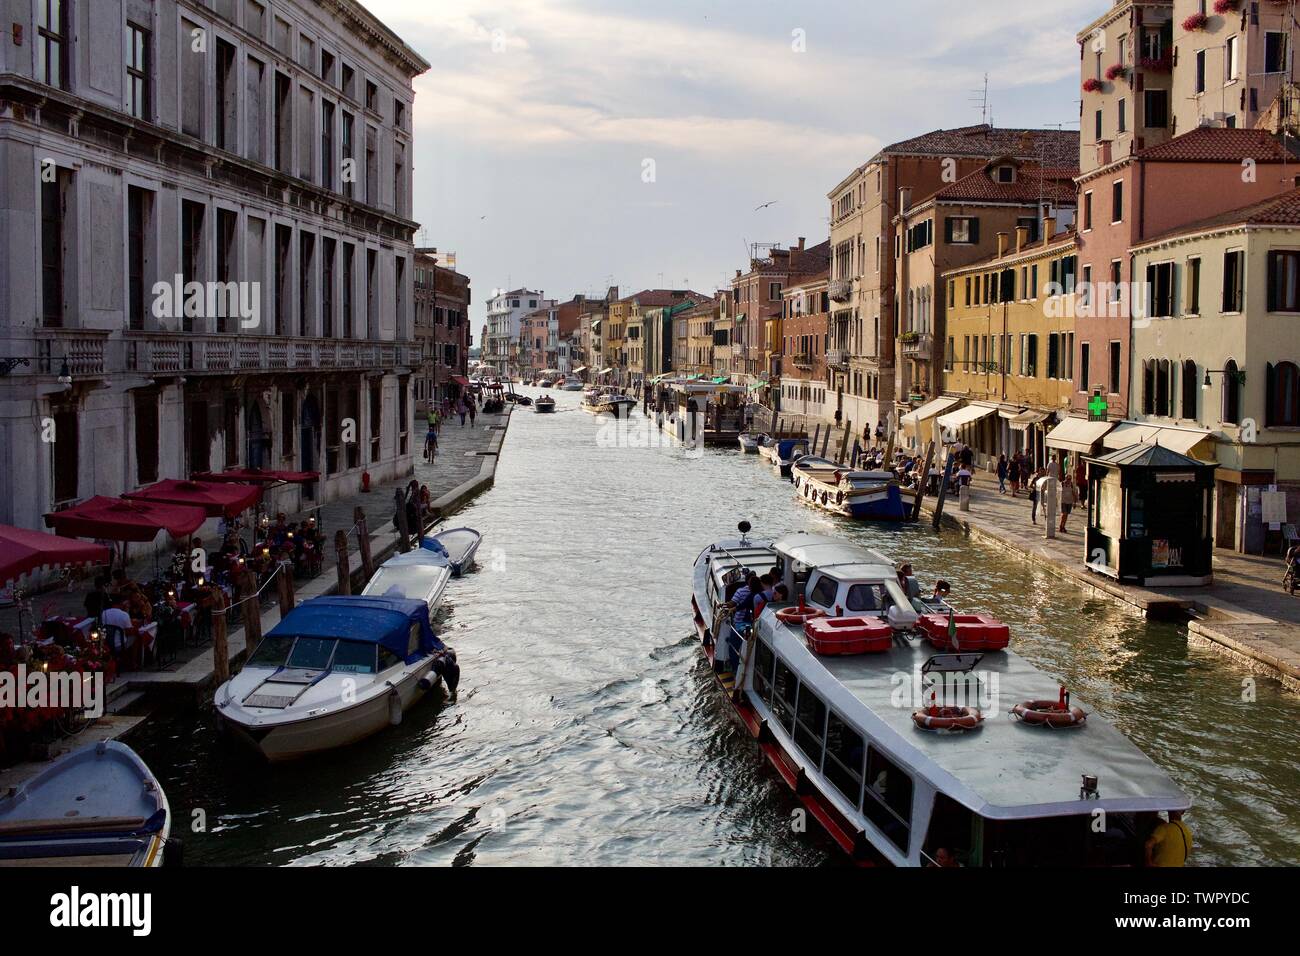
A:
x: 121, y: 519
x: 217, y: 499
x: 22, y: 551
x: 966, y: 416
x: 579, y: 370
x: 606, y: 371
x: 1181, y: 440
x: 926, y: 411
x: 1024, y: 420
x: 757, y: 386
x: 1077, y: 434
x: 260, y: 476
x: 460, y: 380
x: 721, y: 380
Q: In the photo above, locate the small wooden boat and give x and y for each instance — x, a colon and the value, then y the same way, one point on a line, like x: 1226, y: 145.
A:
x: 749, y: 443
x: 458, y: 544
x: 97, y: 806
x: 866, y: 495
x: 545, y: 404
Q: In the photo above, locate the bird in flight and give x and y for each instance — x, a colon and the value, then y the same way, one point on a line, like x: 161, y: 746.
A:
x: 766, y: 204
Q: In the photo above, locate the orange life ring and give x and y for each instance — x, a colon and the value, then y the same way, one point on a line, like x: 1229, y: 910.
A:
x: 947, y: 718
x: 1049, y: 713
x: 801, y: 614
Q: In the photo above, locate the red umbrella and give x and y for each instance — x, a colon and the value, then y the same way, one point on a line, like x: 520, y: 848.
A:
x: 216, y: 499
x: 122, y: 519
x: 22, y: 551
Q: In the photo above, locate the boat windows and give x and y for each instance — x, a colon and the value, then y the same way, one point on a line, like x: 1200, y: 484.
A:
x: 354, y: 657
x: 844, y: 754
x: 413, y: 643
x: 866, y: 597
x: 272, y: 652
x: 785, y: 687
x: 810, y: 725
x: 825, y: 591
x: 764, y: 659
x: 388, y: 659
x: 954, y: 828
x: 312, y: 653
x: 888, y: 798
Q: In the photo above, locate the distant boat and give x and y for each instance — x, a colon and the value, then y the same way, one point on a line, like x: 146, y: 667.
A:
x: 419, y: 574
x: 616, y: 405
x: 458, y: 544
x: 97, y: 806
x: 785, y: 452
x: 545, y: 383
x: 749, y: 443
x: 572, y: 384
x: 545, y: 404
x: 334, y: 671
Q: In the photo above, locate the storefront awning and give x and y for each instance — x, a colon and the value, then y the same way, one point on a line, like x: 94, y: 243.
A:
x: 606, y: 371
x: 1077, y: 434
x: 1181, y: 440
x: 927, y: 411
x: 966, y: 416
x: 579, y: 370
x: 460, y: 380
x: 720, y: 380
x: 757, y: 386
x: 1024, y: 420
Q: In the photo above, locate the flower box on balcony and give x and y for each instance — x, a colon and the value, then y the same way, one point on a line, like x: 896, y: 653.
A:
x: 1227, y: 6
x: 1117, y: 72
x: 1197, y: 21
x: 910, y: 338
x: 1092, y: 86
x: 1163, y: 64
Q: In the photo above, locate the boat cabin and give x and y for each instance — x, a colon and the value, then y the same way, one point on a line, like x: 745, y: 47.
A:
x: 841, y: 579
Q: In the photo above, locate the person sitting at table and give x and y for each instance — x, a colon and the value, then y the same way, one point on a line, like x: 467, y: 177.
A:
x: 117, y: 627
x: 98, y: 598
x: 280, y: 531
x: 136, y: 600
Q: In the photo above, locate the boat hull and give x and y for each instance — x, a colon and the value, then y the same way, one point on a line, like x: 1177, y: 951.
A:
x: 877, y: 503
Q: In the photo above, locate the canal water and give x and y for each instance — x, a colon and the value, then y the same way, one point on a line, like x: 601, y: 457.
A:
x: 588, y: 730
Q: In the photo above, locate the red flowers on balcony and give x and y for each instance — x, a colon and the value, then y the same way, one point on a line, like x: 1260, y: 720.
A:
x: 1091, y: 85
x: 1116, y: 72
x: 1227, y: 6
x: 1162, y: 64
x: 1197, y: 21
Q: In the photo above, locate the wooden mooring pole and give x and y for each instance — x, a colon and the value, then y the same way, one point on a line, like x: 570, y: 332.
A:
x: 341, y: 558
x: 363, y: 542
x: 220, y: 647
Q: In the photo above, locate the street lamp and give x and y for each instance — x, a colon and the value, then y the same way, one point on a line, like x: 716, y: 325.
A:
x: 1238, y: 376
x: 65, y: 375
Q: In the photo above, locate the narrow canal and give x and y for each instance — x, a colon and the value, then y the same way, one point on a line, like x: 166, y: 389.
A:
x: 588, y: 730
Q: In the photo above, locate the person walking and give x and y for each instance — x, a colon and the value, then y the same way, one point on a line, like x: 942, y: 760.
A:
x: 1002, y: 474
x: 462, y: 410
x: 1013, y: 475
x: 1068, y: 498
x: 1035, y: 493
x: 472, y: 413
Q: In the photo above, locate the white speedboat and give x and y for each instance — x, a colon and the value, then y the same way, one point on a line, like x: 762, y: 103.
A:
x: 418, y: 574
x: 97, y: 806
x: 573, y: 385
x: 841, y: 687
x: 785, y: 452
x: 334, y: 671
x: 865, y: 495
x: 749, y: 443
x: 545, y: 383
x: 544, y: 404
x: 457, y: 545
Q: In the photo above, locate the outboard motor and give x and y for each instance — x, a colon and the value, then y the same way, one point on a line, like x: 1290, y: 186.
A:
x: 446, y: 668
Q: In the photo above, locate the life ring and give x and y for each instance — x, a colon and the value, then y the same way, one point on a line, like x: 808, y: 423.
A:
x: 839, y: 497
x: 801, y: 614
x: 1049, y: 713
x: 947, y: 718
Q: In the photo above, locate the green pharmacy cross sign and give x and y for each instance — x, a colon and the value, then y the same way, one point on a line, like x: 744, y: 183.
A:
x: 1097, y: 408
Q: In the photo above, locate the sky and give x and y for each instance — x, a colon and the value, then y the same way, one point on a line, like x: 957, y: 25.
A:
x: 569, y: 145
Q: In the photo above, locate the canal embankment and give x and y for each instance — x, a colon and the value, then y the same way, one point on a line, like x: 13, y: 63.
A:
x: 1245, y: 614
x: 464, y: 468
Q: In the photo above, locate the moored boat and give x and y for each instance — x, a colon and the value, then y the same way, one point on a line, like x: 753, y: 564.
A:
x: 97, y: 806
x: 334, y: 671
x: 864, y: 495
x: 620, y: 406
x: 544, y: 404
x: 458, y: 545
x: 894, y: 772
x: 418, y: 574
x: 749, y: 443
x: 785, y: 452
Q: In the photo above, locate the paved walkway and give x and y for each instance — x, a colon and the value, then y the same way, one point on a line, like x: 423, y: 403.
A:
x: 1245, y: 611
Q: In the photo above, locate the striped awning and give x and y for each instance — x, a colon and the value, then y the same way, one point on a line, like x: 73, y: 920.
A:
x: 1025, y: 419
x: 966, y: 416
x: 1077, y: 434
x: 1181, y: 440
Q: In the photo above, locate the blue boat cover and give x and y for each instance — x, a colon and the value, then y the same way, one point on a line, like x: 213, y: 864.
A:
x: 788, y: 445
x: 378, y: 620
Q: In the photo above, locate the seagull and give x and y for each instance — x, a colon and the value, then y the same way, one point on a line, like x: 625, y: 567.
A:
x: 766, y: 204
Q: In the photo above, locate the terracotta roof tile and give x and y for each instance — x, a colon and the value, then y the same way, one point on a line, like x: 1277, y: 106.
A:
x: 1213, y: 144
x: 1031, y: 185
x: 1052, y: 147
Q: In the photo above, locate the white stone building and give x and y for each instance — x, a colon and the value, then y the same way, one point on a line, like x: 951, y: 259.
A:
x: 257, y: 147
x: 504, y: 312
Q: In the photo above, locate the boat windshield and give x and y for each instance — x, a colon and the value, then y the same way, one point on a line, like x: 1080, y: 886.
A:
x: 272, y: 652
x: 354, y: 657
x: 311, y: 653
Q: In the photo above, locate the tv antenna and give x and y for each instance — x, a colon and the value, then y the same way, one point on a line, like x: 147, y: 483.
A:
x: 981, y: 96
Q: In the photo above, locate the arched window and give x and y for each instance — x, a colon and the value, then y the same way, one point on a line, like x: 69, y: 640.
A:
x: 1231, y: 394
x: 1163, y: 381
x: 1191, y: 388
x: 1283, y: 398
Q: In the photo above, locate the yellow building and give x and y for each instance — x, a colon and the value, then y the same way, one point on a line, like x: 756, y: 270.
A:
x: 1009, y: 357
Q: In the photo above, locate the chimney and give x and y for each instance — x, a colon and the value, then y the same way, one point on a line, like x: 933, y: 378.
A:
x: 904, y: 199
x: 801, y: 242
x: 738, y: 273
x: 1022, y: 237
x: 1003, y: 239
x: 1103, y: 152
x: 1049, y: 229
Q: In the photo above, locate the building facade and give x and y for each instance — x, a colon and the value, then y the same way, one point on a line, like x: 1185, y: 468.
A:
x: 214, y: 203
x: 804, y: 388
x: 505, y: 312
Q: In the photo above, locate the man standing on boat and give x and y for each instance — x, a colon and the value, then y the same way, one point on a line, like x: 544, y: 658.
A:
x: 1170, y: 844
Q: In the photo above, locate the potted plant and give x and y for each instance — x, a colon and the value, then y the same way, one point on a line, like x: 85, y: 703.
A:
x: 1117, y: 71
x: 1197, y: 21
x: 910, y: 337
x: 1092, y: 85
x: 1227, y: 6
x: 1160, y: 64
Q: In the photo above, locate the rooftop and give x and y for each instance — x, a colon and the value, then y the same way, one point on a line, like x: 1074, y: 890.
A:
x: 1051, y: 147
x: 1283, y: 210
x: 1214, y: 144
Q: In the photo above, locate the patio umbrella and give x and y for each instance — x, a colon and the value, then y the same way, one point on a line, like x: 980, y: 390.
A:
x: 124, y: 519
x: 22, y: 551
x: 218, y: 500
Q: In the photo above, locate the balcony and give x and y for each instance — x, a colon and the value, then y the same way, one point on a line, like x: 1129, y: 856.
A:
x: 840, y: 290
x: 917, y: 345
x: 153, y: 353
x: 837, y: 358
x: 800, y: 360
